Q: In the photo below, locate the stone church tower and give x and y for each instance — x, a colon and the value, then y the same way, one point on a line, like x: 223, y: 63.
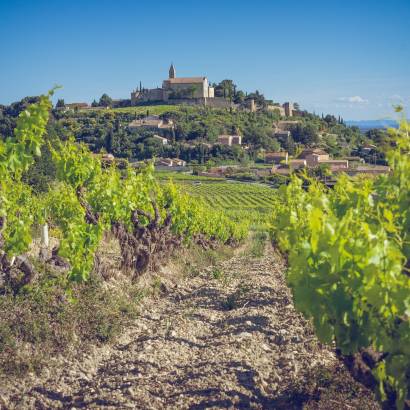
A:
x: 172, y: 72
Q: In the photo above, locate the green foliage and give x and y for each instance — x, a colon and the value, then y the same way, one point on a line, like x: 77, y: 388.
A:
x: 349, y: 260
x: 108, y: 129
x: 112, y: 197
x: 244, y: 203
x: 89, y: 198
x: 105, y: 101
x: 60, y: 103
x: 18, y: 206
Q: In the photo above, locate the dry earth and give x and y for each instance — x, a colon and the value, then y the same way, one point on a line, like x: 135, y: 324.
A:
x: 225, y: 337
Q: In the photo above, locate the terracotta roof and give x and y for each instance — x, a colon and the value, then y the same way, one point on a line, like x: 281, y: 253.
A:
x: 311, y: 151
x: 373, y: 168
x: 186, y: 80
x: 354, y: 159
x: 334, y: 161
x: 159, y: 137
x: 281, y: 171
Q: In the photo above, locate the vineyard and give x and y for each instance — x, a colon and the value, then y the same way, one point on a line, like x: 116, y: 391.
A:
x: 235, y: 196
x: 240, y: 201
x: 348, y: 251
x: 147, y: 219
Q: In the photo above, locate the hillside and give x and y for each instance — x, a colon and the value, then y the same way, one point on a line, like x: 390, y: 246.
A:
x: 194, y: 128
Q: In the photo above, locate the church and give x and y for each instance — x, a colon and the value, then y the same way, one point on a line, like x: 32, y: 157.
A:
x: 176, y: 89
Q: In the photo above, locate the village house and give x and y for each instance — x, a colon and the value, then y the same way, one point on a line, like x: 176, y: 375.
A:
x: 230, y: 140
x: 297, y: 163
x: 313, y: 156
x: 370, y: 170
x: 276, y: 157
x: 179, y: 162
x: 354, y: 160
x: 316, y: 156
x: 151, y: 122
x: 165, y: 162
x: 280, y: 170
x: 282, y: 134
x: 170, y: 162
x: 163, y: 140
x: 368, y: 147
x: 336, y: 164
x: 291, y: 165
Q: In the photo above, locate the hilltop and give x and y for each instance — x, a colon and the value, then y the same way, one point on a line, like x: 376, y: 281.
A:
x: 200, y: 136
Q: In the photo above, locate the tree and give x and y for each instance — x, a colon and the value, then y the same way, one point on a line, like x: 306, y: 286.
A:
x: 108, y: 141
x: 258, y: 97
x: 226, y: 88
x: 311, y: 137
x: 94, y: 103
x: 105, y: 101
x: 239, y: 97
x: 305, y: 134
x: 330, y: 119
x: 60, y: 103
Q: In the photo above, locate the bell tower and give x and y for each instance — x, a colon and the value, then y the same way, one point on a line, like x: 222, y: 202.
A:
x: 172, y: 72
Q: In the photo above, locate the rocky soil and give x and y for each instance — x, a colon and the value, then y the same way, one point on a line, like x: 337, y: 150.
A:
x: 224, y: 337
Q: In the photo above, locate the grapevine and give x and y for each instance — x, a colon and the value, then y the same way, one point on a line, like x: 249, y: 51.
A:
x: 88, y: 200
x: 348, y: 253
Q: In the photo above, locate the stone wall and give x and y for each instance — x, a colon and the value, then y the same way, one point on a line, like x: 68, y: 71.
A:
x: 219, y: 102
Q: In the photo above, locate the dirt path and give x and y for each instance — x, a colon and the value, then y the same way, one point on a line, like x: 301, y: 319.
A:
x: 225, y: 338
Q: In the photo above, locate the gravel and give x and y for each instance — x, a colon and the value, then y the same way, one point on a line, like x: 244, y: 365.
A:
x: 235, y: 343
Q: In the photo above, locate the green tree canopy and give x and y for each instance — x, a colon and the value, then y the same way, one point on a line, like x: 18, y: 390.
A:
x: 105, y: 101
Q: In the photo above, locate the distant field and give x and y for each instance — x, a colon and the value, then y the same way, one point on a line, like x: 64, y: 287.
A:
x: 219, y: 193
x: 238, y: 200
x: 234, y: 195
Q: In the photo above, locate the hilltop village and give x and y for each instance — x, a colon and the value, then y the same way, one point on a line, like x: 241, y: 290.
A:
x: 217, y: 130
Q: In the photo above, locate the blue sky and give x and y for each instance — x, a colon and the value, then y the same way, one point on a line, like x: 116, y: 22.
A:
x: 342, y: 57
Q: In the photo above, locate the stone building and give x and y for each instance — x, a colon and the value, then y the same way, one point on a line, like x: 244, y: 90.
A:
x: 289, y: 109
x: 162, y: 140
x: 278, y: 108
x: 314, y: 156
x: 230, y: 140
x: 277, y: 157
x: 297, y: 163
x: 176, y: 89
x: 152, y: 122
